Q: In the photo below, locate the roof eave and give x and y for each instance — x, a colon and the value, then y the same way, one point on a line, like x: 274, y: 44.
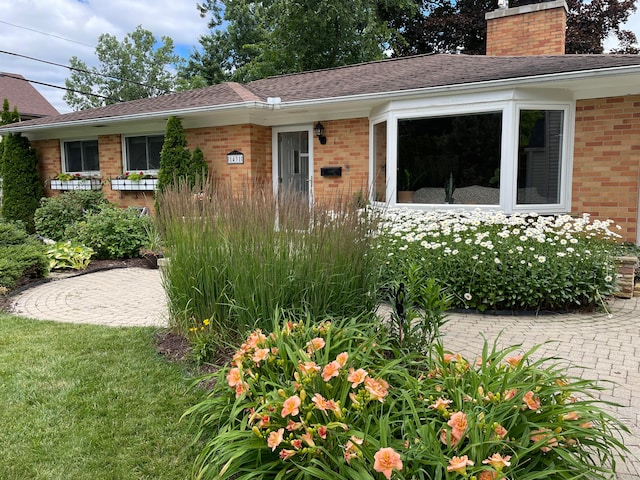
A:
x: 103, y: 121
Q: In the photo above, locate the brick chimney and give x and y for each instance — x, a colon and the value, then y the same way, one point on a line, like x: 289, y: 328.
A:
x: 536, y: 29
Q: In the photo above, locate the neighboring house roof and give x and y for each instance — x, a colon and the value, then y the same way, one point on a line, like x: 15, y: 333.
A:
x: 421, y: 72
x: 21, y: 94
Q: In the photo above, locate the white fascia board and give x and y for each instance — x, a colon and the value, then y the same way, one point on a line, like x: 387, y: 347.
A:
x: 162, y: 114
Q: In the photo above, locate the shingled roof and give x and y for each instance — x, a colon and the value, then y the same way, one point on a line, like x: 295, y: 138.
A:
x: 22, y: 95
x: 392, y: 75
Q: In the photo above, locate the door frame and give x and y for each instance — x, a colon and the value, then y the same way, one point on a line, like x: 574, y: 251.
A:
x: 275, y: 173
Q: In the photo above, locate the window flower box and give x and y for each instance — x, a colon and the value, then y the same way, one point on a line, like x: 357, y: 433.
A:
x: 76, y: 184
x: 134, y: 185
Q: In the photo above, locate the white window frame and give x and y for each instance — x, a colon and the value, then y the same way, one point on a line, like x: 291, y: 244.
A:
x: 125, y: 159
x: 509, y: 103
x: 63, y: 158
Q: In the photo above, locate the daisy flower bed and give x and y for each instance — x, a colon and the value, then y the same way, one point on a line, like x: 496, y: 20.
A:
x: 494, y: 261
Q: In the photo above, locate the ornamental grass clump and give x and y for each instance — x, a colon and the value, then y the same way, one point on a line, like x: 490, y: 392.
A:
x: 323, y: 400
x: 236, y: 256
x: 493, y: 261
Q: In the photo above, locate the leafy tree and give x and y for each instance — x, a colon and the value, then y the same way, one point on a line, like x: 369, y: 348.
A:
x: 21, y: 187
x: 174, y: 156
x: 439, y: 26
x: 273, y: 37
x: 132, y: 69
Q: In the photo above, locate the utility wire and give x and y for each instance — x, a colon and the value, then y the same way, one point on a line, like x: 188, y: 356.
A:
x: 80, y: 70
x: 60, y: 88
x: 47, y: 34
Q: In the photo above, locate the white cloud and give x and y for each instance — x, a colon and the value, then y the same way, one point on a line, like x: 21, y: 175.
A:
x: 83, y: 21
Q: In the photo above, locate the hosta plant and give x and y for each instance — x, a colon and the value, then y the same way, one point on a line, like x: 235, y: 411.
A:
x: 325, y: 401
x: 69, y: 255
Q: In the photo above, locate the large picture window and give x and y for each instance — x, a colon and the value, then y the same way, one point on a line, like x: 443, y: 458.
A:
x: 504, y: 150
x: 540, y: 156
x: 450, y: 159
x: 143, y: 153
x: 81, y: 156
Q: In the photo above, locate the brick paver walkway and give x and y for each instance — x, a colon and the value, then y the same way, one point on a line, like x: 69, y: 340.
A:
x: 597, y: 345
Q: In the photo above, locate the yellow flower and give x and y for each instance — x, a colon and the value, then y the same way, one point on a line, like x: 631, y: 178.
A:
x: 206, y: 322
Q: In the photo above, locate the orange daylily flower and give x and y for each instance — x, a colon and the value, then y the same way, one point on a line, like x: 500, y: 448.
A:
x: 275, y: 439
x: 532, y: 402
x: 290, y: 406
x: 330, y: 370
x: 377, y: 389
x: 356, y: 377
x: 459, y: 465
x: 234, y: 377
x: 342, y: 359
x: 387, y: 460
x: 497, y: 461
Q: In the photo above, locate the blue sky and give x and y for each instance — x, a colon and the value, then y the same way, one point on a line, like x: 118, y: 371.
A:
x: 72, y: 27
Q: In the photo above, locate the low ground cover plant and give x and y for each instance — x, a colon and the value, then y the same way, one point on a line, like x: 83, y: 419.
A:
x: 237, y: 256
x: 20, y: 255
x: 491, y: 261
x: 63, y: 255
x: 334, y: 399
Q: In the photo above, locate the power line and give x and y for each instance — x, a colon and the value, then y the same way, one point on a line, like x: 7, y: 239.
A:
x: 80, y: 70
x: 47, y: 34
x: 60, y: 88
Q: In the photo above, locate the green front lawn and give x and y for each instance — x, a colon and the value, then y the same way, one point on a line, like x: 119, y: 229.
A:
x: 89, y: 402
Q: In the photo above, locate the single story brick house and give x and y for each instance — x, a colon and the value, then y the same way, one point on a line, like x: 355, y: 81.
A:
x: 524, y: 128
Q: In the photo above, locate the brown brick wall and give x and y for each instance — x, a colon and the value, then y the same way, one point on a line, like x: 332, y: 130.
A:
x: 534, y: 33
x: 347, y: 147
x: 49, y: 163
x: 253, y: 141
x: 606, y: 165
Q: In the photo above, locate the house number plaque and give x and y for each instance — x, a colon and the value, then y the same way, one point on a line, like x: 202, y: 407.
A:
x: 235, y: 158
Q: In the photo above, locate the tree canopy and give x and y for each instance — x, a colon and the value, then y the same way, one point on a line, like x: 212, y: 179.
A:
x: 263, y: 38
x: 441, y: 26
x: 132, y: 69
x: 254, y: 39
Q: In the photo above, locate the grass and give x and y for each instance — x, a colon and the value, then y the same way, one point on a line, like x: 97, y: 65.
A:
x: 90, y: 402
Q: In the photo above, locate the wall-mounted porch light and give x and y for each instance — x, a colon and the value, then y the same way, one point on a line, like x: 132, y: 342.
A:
x: 320, y: 133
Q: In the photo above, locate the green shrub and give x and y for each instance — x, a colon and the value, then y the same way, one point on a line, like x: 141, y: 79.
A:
x: 12, y: 233
x: 235, y: 258
x: 322, y: 400
x: 174, y: 157
x: 488, y: 260
x: 21, y: 187
x: 68, y: 255
x: 56, y: 214
x: 111, y: 232
x: 20, y: 255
